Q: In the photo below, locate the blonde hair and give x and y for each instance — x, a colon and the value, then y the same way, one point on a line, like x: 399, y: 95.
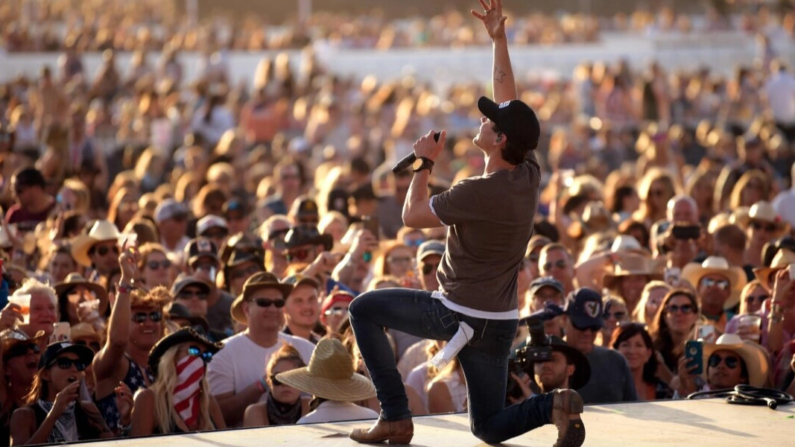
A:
x: 736, y: 198
x: 163, y: 389
x: 639, y: 314
x: 746, y: 291
x: 82, y: 194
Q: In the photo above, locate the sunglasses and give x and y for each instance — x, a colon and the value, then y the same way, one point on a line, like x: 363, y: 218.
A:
x: 154, y: 265
x: 188, y: 294
x: 297, y: 254
x: 685, y: 309
x: 104, y: 250
x: 769, y: 228
x: 265, y: 302
x: 22, y: 350
x: 207, y: 356
x: 274, y: 381
x: 245, y: 273
x: 616, y: 315
x: 94, y: 345
x: 719, y: 283
x: 140, y: 317
x: 338, y: 311
x: 66, y: 363
x: 730, y: 362
x: 427, y: 269
x: 413, y: 243
x: 587, y: 328
x: 759, y: 299
x: 558, y: 264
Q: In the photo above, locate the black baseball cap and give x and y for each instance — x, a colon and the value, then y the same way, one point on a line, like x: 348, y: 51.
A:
x: 584, y: 308
x: 200, y: 247
x: 515, y: 119
x: 52, y: 352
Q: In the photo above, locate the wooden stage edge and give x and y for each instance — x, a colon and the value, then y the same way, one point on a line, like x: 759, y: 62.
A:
x: 668, y: 423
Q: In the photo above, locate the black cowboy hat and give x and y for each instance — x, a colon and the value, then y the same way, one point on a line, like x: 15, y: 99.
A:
x: 307, y: 235
x: 184, y: 335
x: 582, y: 368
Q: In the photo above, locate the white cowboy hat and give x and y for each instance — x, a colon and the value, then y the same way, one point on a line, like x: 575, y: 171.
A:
x: 330, y: 375
x: 628, y: 244
x: 103, y: 230
x: 754, y: 356
x: 693, y: 272
x: 781, y: 260
x: 763, y: 211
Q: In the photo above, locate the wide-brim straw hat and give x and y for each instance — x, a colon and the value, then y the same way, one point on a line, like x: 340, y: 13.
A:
x: 103, y: 230
x: 754, y: 356
x: 74, y: 280
x: 782, y: 260
x: 693, y: 272
x: 330, y: 375
x: 258, y: 281
x: 631, y: 264
x: 763, y: 211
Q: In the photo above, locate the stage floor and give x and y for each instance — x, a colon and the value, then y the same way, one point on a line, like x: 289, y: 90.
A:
x: 669, y: 423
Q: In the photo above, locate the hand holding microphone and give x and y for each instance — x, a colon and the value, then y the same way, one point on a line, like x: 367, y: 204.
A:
x: 423, y: 147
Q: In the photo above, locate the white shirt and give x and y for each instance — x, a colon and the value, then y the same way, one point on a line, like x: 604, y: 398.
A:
x: 333, y: 411
x: 780, y: 91
x: 784, y: 204
x: 418, y: 379
x: 242, y: 362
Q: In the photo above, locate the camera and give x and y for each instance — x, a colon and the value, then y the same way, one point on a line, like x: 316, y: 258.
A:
x: 537, y: 349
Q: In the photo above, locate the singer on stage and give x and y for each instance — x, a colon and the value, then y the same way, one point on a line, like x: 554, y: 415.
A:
x: 490, y: 220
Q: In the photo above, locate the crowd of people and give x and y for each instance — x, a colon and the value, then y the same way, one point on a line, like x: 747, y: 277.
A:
x: 181, y: 258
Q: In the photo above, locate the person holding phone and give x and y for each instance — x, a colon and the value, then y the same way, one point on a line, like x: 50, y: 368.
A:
x: 490, y: 221
x: 674, y: 325
x: 54, y: 412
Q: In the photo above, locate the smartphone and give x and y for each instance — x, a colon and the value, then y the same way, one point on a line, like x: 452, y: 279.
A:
x: 128, y: 240
x: 706, y: 332
x: 686, y: 231
x: 673, y: 275
x: 60, y: 332
x: 694, y: 353
x: 371, y: 225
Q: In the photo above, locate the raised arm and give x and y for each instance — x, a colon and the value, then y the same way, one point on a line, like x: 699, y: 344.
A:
x: 503, y: 80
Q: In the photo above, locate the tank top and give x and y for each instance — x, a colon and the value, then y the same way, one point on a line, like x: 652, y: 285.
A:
x: 107, y: 405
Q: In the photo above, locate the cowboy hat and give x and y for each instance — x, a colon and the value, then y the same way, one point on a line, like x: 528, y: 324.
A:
x: 782, y: 260
x: 307, y: 235
x: 754, y: 356
x: 763, y: 211
x: 631, y: 265
x: 582, y: 368
x: 103, y: 230
x: 258, y: 281
x: 693, y: 272
x: 83, y: 331
x: 624, y: 243
x: 330, y: 375
x: 184, y: 335
x: 74, y: 280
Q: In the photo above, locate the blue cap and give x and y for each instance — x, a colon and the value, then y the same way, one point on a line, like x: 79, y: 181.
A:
x: 431, y: 247
x: 584, y: 308
x: 545, y: 281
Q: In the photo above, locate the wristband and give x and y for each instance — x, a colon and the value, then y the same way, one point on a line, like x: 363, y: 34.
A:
x: 125, y: 288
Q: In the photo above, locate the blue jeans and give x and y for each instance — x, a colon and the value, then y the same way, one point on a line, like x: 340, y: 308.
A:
x: 484, y: 360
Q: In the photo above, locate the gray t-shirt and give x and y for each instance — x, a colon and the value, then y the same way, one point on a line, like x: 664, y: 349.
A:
x: 611, y: 380
x: 219, y: 316
x: 490, y: 221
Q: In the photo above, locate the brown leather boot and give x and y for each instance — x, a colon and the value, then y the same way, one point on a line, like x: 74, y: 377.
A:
x: 566, y: 409
x: 397, y: 432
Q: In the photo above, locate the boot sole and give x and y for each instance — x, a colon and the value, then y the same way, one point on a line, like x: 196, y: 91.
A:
x: 575, y: 435
x: 395, y: 440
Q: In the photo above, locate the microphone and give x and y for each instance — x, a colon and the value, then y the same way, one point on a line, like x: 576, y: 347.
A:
x: 409, y: 159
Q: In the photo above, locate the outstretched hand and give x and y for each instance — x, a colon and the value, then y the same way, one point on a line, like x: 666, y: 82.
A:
x: 492, y: 17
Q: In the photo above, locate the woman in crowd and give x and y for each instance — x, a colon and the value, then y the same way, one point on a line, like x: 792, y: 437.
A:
x: 334, y: 310
x: 57, y: 410
x: 284, y: 404
x: 656, y: 189
x: 752, y: 299
x: 447, y: 392
x: 675, y: 324
x: 615, y: 313
x: 80, y: 300
x: 20, y: 362
x: 60, y: 263
x: 650, y: 300
x: 135, y: 325
x: 123, y: 207
x: 635, y: 344
x: 396, y: 260
x: 179, y: 399
x: 154, y: 265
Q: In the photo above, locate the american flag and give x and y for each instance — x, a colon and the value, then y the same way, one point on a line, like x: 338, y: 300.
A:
x: 190, y: 371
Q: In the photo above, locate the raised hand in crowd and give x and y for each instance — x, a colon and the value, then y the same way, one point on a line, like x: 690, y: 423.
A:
x: 10, y: 316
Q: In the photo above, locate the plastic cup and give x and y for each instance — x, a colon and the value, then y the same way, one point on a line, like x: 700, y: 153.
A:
x: 23, y: 301
x: 91, y: 309
x: 749, y: 327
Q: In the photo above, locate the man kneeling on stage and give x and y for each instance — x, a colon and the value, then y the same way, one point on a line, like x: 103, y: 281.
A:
x: 490, y: 221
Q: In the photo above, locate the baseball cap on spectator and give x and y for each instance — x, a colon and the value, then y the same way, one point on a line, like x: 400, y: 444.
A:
x: 186, y: 281
x: 306, y: 211
x: 584, y: 309
x: 536, y: 242
x: 84, y: 353
x: 307, y: 235
x: 513, y: 118
x: 198, y: 248
x: 338, y: 201
x: 240, y: 242
x: 211, y: 221
x: 545, y: 281
x: 178, y: 311
x: 336, y: 297
x: 431, y: 247
x: 236, y: 206
x: 170, y: 209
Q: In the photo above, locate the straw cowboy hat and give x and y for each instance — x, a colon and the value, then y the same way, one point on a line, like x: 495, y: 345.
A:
x: 763, y: 211
x: 74, y: 280
x: 103, y: 230
x: 693, y: 272
x: 754, y: 356
x: 632, y: 265
x: 782, y: 260
x: 258, y: 281
x: 330, y: 375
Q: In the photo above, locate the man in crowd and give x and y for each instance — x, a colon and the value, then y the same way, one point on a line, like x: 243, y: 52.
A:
x: 98, y: 250
x: 611, y: 379
x: 172, y: 222
x: 429, y: 255
x: 719, y: 286
x: 33, y: 204
x: 567, y: 369
x: 302, y: 308
x: 236, y: 374
x: 556, y: 261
